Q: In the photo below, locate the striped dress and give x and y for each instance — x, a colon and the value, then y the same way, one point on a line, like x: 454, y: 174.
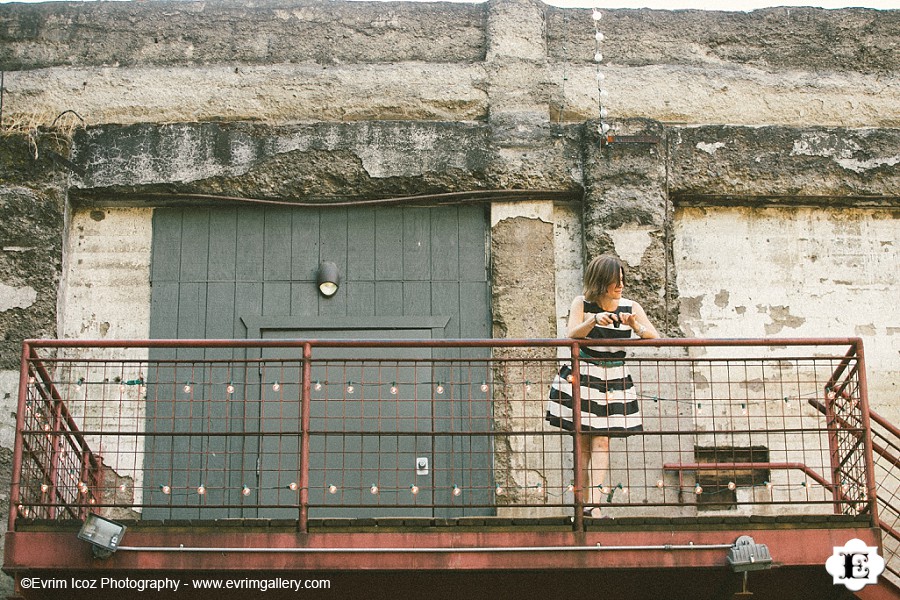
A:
x: 609, y: 402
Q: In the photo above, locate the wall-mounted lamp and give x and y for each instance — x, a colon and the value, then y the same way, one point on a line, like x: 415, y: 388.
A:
x: 102, y: 534
x: 328, y: 279
x: 745, y: 556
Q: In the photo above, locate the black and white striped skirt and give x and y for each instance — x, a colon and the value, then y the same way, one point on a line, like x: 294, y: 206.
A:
x: 609, y: 402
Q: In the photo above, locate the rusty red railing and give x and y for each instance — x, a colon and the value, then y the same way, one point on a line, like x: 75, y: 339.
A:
x: 302, y: 429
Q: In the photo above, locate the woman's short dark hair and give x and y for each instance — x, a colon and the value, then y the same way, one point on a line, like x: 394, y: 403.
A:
x: 600, y: 274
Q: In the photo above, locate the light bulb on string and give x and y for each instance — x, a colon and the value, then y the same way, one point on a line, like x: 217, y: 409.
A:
x: 332, y: 489
x: 293, y: 486
x: 596, y: 15
x: 44, y: 488
x: 599, y: 36
x: 123, y: 487
x: 601, y: 77
x: 570, y: 488
x: 230, y: 388
x: 350, y: 387
x: 373, y: 490
x: 604, y: 128
x: 603, y: 93
x: 414, y: 490
x: 499, y: 491
x: 604, y: 112
x: 201, y: 489
x: 317, y: 386
x: 246, y: 490
x: 732, y: 485
x: 394, y: 389
x: 187, y: 388
x: 276, y: 386
x: 698, y: 489
x: 598, y: 57
x: 456, y: 490
x: 484, y: 386
x: 165, y: 489
x: 659, y: 483
x: 440, y: 388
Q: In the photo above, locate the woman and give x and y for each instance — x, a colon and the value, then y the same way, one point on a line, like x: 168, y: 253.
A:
x: 608, y: 400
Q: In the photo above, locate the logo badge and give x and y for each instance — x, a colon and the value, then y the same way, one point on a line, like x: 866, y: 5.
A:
x: 855, y: 565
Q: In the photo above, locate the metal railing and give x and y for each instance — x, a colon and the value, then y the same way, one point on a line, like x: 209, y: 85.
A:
x: 300, y: 430
x: 886, y: 454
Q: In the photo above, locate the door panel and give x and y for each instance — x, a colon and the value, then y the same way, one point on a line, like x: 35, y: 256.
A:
x: 211, y: 267
x: 363, y: 434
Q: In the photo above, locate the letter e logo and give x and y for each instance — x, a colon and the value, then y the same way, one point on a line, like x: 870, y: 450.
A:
x: 855, y: 565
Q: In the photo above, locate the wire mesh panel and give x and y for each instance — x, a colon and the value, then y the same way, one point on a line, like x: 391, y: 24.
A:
x: 396, y: 429
x: 886, y: 443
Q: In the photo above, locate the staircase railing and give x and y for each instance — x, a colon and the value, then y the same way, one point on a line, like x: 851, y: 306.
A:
x: 886, y: 447
x: 886, y: 461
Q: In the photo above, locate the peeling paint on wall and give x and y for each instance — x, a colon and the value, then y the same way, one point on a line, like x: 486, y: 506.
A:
x: 710, y: 148
x: 16, y: 297
x: 781, y: 317
x: 803, y: 272
x: 847, y: 153
x: 631, y: 241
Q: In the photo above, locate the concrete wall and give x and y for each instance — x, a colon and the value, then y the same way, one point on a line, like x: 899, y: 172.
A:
x: 283, y: 60
x: 778, y: 124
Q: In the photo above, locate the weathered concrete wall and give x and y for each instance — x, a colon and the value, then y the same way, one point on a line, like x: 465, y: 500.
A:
x: 284, y: 61
x: 626, y: 213
x: 32, y: 201
x: 795, y: 272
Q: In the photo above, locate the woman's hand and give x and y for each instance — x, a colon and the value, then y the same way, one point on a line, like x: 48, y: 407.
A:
x: 629, y: 319
x: 607, y: 318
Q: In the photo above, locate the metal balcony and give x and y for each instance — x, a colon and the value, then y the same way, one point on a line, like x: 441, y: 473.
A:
x: 435, y: 456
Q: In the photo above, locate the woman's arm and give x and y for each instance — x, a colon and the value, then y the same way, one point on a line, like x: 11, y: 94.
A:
x: 638, y: 321
x: 580, y: 322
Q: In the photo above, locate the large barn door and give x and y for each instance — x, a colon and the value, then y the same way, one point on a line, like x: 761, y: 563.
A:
x: 214, y: 270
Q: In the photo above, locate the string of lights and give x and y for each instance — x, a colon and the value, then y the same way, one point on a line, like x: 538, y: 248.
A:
x: 395, y: 387
x: 456, y: 490
x: 602, y: 93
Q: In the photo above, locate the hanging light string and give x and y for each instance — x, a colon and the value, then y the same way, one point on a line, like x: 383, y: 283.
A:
x: 565, y: 72
x: 602, y: 94
x: 439, y: 386
x: 500, y: 490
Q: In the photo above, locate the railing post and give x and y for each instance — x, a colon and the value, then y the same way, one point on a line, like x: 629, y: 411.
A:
x: 577, y: 442
x: 831, y: 423
x: 54, y: 457
x: 303, y: 524
x: 867, y: 431
x: 15, y: 489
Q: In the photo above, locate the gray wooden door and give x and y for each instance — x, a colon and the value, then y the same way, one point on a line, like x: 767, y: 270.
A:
x: 214, y: 270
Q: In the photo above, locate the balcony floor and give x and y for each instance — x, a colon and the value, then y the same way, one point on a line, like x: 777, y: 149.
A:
x: 477, y: 557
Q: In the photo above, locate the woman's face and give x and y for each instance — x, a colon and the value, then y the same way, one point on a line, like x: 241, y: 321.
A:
x: 614, y: 290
